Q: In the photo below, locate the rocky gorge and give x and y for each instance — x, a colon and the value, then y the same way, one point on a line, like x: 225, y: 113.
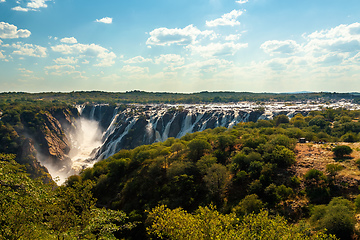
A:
x: 69, y: 139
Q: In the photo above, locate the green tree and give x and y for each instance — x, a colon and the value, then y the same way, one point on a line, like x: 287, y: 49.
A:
x: 216, y: 180
x: 333, y: 169
x: 283, y: 156
x: 197, y: 148
x: 281, y: 119
x: 337, y: 218
x: 318, y: 121
x: 349, y: 137
x: 207, y: 224
x: 21, y: 201
x: 30, y: 209
x: 317, y: 188
x: 250, y: 204
x: 342, y: 151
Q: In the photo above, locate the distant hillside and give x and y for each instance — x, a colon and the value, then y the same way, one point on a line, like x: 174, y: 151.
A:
x: 165, y: 97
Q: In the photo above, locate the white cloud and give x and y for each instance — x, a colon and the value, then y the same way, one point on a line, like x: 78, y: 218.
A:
x: 170, y: 59
x: 135, y: 69
x: 207, y: 65
x: 278, y: 64
x: 57, y: 67
x: 179, y: 36
x: 233, y: 37
x: 68, y: 40
x: 60, y: 70
x: 138, y: 59
x: 228, y: 19
x: 21, y: 9
x: 2, y: 56
x: 104, y: 56
x: 25, y: 71
x: 341, y: 39
x: 68, y: 60
x: 29, y: 50
x: 106, y: 20
x: 2, y: 1
x: 112, y: 77
x: 322, y: 51
x: 32, y: 5
x: 332, y: 59
x: 37, y: 4
x: 242, y: 1
x: 282, y: 47
x: 10, y: 31
x: 217, y: 49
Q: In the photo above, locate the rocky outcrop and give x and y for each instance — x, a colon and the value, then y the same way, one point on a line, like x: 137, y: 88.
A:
x: 129, y: 127
x: 27, y: 157
x: 46, y: 143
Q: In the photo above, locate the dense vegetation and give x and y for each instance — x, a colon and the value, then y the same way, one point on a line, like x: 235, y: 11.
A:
x: 163, y: 97
x: 240, y: 171
x: 236, y: 183
x: 33, y: 210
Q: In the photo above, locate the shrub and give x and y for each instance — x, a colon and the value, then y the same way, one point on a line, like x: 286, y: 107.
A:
x: 281, y: 119
x: 357, y: 162
x: 349, y: 137
x: 283, y: 156
x: 317, y: 189
x: 333, y: 169
x: 250, y: 204
x: 337, y: 218
x: 357, y: 203
x: 341, y: 151
x: 197, y: 149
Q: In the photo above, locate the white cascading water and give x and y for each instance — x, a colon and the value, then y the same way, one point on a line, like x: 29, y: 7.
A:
x: 84, y: 140
x: 112, y: 148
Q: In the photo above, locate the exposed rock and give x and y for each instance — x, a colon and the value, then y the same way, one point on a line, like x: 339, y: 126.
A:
x: 27, y: 157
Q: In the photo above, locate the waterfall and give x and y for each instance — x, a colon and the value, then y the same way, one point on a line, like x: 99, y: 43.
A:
x: 113, y: 145
x: 85, y: 138
x: 167, y: 129
x: 157, y: 122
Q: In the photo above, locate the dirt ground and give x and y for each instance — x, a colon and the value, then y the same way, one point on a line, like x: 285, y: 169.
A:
x: 311, y: 155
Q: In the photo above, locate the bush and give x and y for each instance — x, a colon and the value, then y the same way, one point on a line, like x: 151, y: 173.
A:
x: 341, y: 151
x: 337, y: 218
x: 283, y: 156
x: 250, y: 204
x: 333, y: 169
x: 281, y: 119
x: 357, y: 203
x: 197, y: 149
x: 317, y: 189
x: 349, y: 137
x: 318, y: 121
x: 357, y: 162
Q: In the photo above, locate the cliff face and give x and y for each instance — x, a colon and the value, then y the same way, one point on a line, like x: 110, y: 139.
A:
x: 129, y: 127
x: 52, y: 141
x: 28, y: 158
x: 45, y: 142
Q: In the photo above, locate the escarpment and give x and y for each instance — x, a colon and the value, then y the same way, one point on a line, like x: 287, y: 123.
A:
x: 68, y: 139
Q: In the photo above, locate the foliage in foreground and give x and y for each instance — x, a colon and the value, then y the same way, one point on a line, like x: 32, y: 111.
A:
x: 32, y: 210
x: 337, y: 217
x: 207, y: 223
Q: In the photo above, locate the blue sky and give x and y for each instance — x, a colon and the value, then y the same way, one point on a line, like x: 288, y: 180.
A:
x: 180, y: 46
